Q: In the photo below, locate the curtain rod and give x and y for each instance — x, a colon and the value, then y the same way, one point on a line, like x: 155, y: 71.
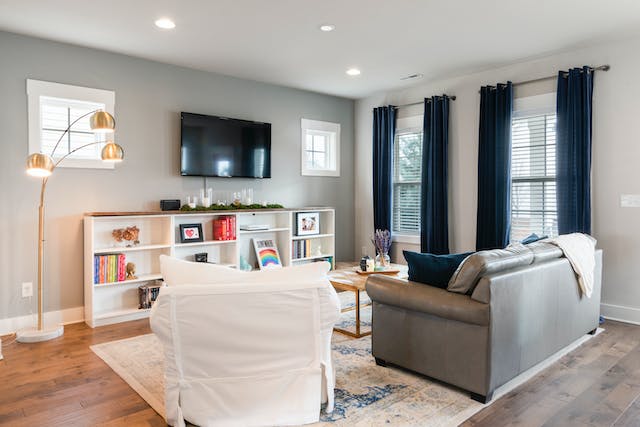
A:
x: 605, y: 67
x: 452, y: 97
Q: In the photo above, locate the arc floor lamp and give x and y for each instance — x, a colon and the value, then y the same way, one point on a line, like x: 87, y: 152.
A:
x: 42, y: 165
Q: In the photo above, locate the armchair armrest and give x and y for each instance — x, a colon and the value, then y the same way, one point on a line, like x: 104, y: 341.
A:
x: 426, y: 299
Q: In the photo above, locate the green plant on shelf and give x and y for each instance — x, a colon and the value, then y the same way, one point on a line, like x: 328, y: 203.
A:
x: 231, y: 207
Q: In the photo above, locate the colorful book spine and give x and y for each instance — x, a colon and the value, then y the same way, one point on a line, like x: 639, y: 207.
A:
x: 122, y: 268
x: 109, y: 268
x: 224, y: 228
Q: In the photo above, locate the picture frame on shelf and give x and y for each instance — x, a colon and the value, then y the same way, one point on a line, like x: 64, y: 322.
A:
x: 307, y: 223
x: 267, y: 254
x: 190, y: 233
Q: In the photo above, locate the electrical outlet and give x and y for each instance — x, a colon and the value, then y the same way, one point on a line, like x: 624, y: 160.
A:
x: 27, y: 289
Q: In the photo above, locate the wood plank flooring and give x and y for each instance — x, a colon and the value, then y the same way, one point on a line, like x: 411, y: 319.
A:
x: 62, y: 382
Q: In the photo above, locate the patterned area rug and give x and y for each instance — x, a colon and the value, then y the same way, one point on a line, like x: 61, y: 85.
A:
x: 365, y: 394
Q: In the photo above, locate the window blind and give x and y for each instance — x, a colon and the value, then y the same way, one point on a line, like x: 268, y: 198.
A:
x: 56, y: 115
x: 533, y: 170
x: 407, y: 169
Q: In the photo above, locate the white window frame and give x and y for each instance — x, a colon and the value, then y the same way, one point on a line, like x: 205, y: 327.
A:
x: 536, y: 105
x: 333, y: 147
x: 37, y: 89
x: 406, y: 125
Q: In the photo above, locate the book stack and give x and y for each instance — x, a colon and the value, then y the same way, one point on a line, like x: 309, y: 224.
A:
x: 224, y: 228
x: 301, y: 248
x: 109, y: 268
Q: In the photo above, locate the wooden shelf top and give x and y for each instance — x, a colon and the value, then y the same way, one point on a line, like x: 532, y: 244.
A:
x: 221, y: 212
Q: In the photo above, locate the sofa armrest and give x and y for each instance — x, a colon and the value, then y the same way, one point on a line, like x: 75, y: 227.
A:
x: 426, y: 299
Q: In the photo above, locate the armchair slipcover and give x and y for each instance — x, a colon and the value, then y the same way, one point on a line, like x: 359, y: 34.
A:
x: 247, y: 348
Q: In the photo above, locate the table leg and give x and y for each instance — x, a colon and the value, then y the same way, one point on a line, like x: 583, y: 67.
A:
x: 358, y: 332
x: 358, y: 312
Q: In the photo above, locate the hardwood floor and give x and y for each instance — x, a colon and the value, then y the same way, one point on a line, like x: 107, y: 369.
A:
x: 597, y: 384
x: 62, y: 382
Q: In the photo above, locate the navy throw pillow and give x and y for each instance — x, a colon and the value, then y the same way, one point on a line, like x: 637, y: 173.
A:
x: 434, y: 270
x: 532, y: 238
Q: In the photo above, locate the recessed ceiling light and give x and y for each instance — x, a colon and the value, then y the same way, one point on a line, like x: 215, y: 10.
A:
x: 353, y: 72
x: 165, y: 24
x: 327, y: 27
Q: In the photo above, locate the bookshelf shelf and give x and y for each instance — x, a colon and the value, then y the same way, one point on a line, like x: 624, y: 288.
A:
x: 131, y: 249
x: 141, y: 278
x: 205, y: 243
x: 113, y: 302
x: 269, y: 230
x: 313, y: 236
x: 310, y: 258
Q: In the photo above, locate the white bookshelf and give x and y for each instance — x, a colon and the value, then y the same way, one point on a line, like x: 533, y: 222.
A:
x: 107, y: 303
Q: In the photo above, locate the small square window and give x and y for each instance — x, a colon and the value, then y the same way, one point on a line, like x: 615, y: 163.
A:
x: 53, y: 107
x: 320, y: 148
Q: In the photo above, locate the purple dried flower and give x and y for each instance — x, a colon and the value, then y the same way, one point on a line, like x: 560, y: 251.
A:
x: 382, y: 241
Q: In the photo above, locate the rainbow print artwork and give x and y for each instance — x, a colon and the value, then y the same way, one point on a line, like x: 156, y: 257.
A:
x: 267, y: 254
x: 268, y: 257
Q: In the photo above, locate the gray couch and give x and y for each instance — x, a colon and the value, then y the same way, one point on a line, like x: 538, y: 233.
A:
x: 516, y: 309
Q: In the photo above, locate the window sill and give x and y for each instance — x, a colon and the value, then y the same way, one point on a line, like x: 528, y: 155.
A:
x: 412, y: 239
x: 85, y: 164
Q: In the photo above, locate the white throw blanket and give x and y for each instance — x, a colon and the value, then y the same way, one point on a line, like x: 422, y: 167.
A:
x: 580, y: 250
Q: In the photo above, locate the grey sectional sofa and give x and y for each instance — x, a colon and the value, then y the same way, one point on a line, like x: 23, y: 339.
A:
x: 521, y: 308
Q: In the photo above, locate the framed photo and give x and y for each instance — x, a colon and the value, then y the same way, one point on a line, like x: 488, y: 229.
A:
x: 307, y: 223
x: 267, y: 254
x: 191, y: 233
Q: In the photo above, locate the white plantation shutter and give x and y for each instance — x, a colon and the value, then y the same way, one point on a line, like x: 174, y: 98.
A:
x: 407, y: 169
x: 56, y: 114
x: 533, y: 175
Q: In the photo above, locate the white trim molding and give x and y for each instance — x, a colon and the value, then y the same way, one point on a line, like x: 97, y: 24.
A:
x: 66, y: 317
x: 620, y: 313
x: 331, y: 132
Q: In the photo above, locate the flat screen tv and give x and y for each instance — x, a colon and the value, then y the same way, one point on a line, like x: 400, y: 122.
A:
x: 223, y: 147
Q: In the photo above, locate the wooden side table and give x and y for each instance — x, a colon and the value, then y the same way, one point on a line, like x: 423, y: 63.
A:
x: 345, y: 278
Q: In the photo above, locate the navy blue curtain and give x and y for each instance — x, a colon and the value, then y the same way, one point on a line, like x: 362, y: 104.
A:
x: 494, y: 167
x: 384, y: 128
x: 573, y: 150
x: 434, y: 228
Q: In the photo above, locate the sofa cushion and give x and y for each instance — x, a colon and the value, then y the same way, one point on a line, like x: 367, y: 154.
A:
x: 466, y: 277
x: 543, y: 251
x: 179, y: 272
x: 431, y: 269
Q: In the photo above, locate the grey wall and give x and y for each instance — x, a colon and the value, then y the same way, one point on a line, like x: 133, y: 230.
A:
x: 616, y: 152
x: 149, y: 97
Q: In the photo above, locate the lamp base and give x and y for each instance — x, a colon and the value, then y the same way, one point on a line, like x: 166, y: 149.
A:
x: 34, y: 335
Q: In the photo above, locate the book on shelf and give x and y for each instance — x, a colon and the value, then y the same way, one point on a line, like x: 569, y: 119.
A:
x: 224, y: 228
x: 109, y: 268
x: 301, y: 249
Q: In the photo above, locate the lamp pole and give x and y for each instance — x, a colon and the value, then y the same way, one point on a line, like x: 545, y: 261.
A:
x: 42, y: 165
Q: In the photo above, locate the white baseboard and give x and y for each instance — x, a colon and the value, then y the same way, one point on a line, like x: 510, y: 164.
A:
x: 67, y: 316
x: 620, y: 313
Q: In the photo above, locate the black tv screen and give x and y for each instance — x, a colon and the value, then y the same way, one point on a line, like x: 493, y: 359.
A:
x: 224, y: 147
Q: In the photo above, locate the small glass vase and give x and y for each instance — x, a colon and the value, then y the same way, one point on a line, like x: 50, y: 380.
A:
x: 383, y: 262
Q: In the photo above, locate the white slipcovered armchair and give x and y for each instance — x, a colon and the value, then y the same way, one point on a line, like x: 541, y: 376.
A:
x: 245, y: 348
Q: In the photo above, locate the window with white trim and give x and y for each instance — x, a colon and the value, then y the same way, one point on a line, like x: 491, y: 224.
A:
x: 320, y: 148
x: 533, y: 167
x: 53, y: 107
x: 407, y: 176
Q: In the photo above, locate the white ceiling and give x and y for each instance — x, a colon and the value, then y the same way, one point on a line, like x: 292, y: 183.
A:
x: 278, y: 41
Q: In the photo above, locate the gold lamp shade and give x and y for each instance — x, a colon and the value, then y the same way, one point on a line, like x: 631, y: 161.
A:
x: 112, y: 152
x: 101, y: 121
x: 40, y: 165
